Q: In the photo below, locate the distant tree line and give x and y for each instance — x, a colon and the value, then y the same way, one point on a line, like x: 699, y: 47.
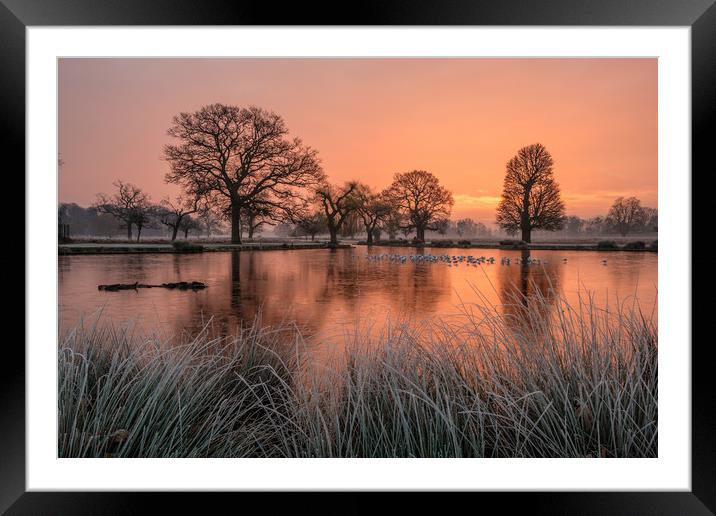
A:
x: 626, y: 216
x: 112, y: 217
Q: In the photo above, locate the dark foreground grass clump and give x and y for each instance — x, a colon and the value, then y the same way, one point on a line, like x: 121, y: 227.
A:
x: 578, y: 383
x: 636, y: 245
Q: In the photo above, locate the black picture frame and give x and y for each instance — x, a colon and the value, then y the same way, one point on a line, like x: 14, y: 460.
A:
x: 16, y: 15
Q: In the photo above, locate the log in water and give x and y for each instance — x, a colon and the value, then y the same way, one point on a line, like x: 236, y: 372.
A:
x: 182, y: 285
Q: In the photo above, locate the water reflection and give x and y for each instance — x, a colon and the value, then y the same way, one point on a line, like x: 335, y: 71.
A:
x: 332, y: 291
x: 529, y: 289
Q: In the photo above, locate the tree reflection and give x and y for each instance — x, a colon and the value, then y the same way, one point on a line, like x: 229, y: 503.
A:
x: 528, y: 291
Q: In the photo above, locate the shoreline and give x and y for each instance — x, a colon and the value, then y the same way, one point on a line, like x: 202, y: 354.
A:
x: 124, y: 248
x: 530, y: 247
x: 159, y: 248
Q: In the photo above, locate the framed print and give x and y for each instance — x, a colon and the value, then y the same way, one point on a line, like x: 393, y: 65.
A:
x: 272, y: 252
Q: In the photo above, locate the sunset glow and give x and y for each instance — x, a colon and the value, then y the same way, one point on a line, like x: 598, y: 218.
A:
x: 461, y: 119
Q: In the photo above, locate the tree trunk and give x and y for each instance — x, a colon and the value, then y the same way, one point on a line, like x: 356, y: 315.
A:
x: 186, y: 233
x: 526, y: 234
x: 175, y: 230
x: 313, y: 237
x: 139, y: 232
x: 334, y: 235
x: 525, y: 215
x: 251, y: 231
x: 129, y: 231
x: 235, y: 224
x: 369, y: 232
x: 420, y: 233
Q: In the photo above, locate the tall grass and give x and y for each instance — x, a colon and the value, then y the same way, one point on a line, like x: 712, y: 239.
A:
x: 578, y: 382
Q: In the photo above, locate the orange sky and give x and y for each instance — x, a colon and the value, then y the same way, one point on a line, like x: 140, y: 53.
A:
x: 461, y: 119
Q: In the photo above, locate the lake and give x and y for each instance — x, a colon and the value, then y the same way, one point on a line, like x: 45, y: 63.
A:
x: 330, y: 292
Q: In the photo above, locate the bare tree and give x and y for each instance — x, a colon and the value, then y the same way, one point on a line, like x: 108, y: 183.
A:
x: 145, y: 217
x: 209, y: 221
x: 284, y: 229
x: 311, y: 224
x: 442, y: 226
x: 351, y: 224
x: 130, y: 205
x: 172, y: 212
x: 595, y: 225
x: 373, y: 209
x: 422, y: 199
x: 236, y: 154
x: 189, y: 223
x: 253, y: 217
x: 626, y: 214
x: 530, y: 194
x: 651, y: 219
x: 573, y: 225
x: 466, y: 227
x: 337, y: 203
x: 393, y: 223
x: 261, y: 210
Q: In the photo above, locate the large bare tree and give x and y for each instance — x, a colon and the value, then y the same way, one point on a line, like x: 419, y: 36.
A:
x: 626, y: 214
x: 422, y: 199
x: 530, y: 195
x: 338, y: 202
x: 235, y: 154
x: 130, y: 205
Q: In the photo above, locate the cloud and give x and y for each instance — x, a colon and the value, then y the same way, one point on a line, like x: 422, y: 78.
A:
x: 475, y: 201
x: 606, y: 195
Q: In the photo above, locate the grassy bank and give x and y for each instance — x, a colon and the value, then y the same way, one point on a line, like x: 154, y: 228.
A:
x: 581, y: 384
x: 184, y: 247
x: 565, y: 245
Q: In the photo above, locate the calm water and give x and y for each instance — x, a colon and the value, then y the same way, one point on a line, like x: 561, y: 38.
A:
x: 327, y: 292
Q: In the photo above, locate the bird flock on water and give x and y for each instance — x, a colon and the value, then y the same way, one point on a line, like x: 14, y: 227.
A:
x: 457, y: 260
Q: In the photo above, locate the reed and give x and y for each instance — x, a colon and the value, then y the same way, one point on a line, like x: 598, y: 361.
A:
x: 543, y: 379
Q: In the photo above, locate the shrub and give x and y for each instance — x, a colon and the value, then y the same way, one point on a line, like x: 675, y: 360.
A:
x: 442, y: 243
x: 606, y: 244
x: 654, y: 245
x: 637, y: 245
x: 514, y: 244
x: 464, y: 243
x: 183, y: 246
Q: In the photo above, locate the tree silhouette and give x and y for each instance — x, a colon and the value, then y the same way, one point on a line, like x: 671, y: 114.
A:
x: 422, y: 199
x: 530, y: 194
x: 466, y: 227
x: 338, y: 203
x: 173, y: 212
x: 373, y: 208
x: 626, y: 214
x: 129, y: 204
x: 189, y: 223
x: 393, y: 223
x: 234, y: 155
x: 311, y: 224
